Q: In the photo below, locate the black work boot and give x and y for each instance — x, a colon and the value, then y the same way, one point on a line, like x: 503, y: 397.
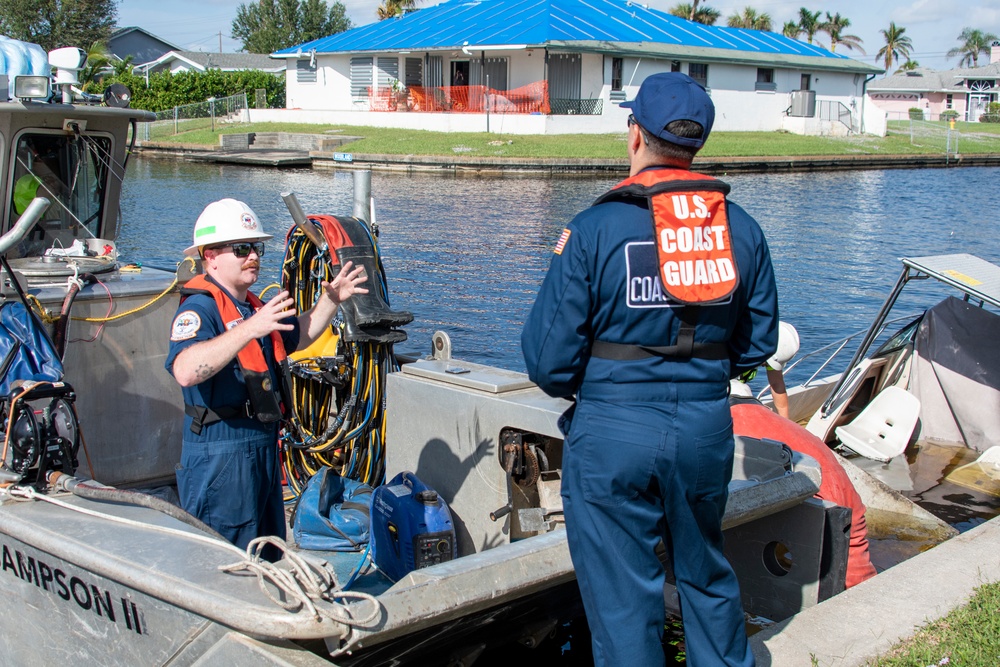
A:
x: 370, y: 334
x: 369, y: 309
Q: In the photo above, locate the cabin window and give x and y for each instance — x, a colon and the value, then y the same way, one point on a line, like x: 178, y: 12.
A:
x: 71, y: 171
x: 765, y: 79
x: 617, y: 73
x: 361, y: 77
x: 699, y: 72
x: 305, y: 70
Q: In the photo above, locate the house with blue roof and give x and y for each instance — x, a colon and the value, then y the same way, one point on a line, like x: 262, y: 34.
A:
x: 562, y: 66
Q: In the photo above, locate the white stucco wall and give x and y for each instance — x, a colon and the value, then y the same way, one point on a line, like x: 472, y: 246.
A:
x: 739, y: 106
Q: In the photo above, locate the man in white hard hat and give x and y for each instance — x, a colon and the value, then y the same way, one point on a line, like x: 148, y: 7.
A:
x: 227, y: 351
x: 788, y: 346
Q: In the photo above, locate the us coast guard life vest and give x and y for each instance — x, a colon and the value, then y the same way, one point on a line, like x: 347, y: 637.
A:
x: 265, y: 399
x: 695, y: 256
x: 697, y: 262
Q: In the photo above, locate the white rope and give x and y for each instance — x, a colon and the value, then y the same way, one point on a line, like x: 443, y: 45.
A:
x: 306, y: 582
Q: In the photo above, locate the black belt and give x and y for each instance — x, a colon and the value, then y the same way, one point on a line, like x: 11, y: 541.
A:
x: 202, y: 416
x: 623, y: 352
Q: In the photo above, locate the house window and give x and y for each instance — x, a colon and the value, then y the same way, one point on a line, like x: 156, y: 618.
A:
x: 805, y: 81
x: 617, y: 73
x: 305, y: 70
x: 949, y: 102
x: 675, y: 65
x: 361, y: 77
x: 765, y: 79
x: 414, y: 72
x: 388, y: 71
x: 699, y: 72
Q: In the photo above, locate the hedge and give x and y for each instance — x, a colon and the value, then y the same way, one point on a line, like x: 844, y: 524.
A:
x: 166, y: 90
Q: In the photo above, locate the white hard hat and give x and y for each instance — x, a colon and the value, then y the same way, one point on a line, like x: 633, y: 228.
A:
x: 223, y: 221
x: 788, y: 345
x: 737, y: 388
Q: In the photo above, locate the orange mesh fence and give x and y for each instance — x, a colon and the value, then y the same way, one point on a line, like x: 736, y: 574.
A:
x: 532, y: 98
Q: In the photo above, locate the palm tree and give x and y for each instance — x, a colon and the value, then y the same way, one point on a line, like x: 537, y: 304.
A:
x: 834, y: 26
x: 392, y: 8
x: 974, y: 42
x: 750, y: 19
x: 791, y: 29
x: 809, y: 23
x: 908, y: 66
x: 896, y: 46
x: 97, y: 63
x: 692, y: 12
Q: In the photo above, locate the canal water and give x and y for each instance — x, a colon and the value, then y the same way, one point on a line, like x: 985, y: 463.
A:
x: 466, y: 255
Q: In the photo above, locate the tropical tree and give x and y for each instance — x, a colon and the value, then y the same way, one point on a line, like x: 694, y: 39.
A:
x: 809, y: 23
x: 834, y: 26
x: 908, y: 66
x: 897, y: 45
x: 974, y: 42
x: 791, y: 29
x: 266, y: 26
x: 97, y: 64
x: 750, y: 19
x: 55, y: 23
x: 696, y: 13
x: 391, y: 8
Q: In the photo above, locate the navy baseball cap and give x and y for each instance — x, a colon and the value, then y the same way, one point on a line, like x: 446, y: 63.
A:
x: 669, y: 96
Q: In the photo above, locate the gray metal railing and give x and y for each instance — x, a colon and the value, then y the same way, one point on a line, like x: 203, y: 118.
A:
x: 210, y: 114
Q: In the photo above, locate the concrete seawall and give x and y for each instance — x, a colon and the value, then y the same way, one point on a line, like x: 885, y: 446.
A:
x: 278, y: 155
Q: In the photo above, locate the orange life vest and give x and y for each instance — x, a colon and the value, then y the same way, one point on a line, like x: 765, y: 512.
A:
x: 334, y: 233
x: 697, y: 261
x: 265, y: 398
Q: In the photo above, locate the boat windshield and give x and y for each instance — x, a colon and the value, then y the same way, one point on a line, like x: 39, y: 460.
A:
x: 69, y: 170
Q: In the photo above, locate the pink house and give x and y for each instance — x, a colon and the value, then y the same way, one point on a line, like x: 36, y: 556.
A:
x: 966, y: 91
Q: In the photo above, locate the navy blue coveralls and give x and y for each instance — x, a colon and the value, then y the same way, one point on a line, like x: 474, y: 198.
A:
x: 649, y: 447
x: 229, y: 475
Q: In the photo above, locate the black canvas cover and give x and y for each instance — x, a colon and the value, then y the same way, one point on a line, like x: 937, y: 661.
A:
x: 956, y: 374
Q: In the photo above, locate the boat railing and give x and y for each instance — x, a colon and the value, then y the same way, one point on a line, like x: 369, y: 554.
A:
x: 829, y: 357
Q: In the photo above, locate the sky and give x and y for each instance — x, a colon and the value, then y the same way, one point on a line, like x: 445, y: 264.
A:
x: 932, y: 25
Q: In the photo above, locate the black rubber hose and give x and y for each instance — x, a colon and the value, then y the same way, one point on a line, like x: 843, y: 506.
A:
x: 111, y: 494
x: 62, y: 324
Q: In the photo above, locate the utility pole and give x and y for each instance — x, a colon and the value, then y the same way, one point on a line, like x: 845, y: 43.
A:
x: 220, y: 41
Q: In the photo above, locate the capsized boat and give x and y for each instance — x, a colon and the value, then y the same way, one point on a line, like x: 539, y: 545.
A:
x: 101, y: 565
x: 919, y: 399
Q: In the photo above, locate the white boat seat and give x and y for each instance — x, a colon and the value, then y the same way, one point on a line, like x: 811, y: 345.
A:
x: 883, y: 429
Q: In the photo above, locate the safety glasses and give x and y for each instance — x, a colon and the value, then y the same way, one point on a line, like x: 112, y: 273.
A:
x: 632, y: 121
x: 243, y: 249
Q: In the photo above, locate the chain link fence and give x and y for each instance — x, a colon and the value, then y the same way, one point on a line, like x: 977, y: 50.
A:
x: 208, y: 115
x: 936, y: 135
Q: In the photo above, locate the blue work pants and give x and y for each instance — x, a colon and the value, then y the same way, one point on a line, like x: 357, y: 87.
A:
x: 234, y: 486
x: 638, y: 472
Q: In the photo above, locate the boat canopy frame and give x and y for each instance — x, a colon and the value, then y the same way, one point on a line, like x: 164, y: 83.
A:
x: 977, y: 279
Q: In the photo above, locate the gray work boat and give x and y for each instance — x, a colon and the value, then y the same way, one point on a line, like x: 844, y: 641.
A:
x: 107, y: 570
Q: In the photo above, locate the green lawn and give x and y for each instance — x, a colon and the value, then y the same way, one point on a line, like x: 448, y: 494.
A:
x: 967, y: 637
x: 928, y: 139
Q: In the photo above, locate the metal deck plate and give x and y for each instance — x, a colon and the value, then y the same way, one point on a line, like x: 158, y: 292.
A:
x: 970, y: 274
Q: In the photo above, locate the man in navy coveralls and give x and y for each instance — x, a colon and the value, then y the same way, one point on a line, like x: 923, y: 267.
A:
x: 649, y: 445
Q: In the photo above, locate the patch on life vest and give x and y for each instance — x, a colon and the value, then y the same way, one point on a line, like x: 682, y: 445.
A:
x: 561, y: 243
x: 233, y: 324
x: 186, y: 325
x: 643, y: 286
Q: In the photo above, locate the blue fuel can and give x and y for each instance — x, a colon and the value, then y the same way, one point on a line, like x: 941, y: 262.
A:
x: 411, y: 527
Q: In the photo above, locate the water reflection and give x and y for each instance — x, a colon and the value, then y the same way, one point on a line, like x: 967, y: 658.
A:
x: 466, y: 255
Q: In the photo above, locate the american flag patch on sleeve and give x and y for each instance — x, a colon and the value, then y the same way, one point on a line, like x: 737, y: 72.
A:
x: 561, y: 243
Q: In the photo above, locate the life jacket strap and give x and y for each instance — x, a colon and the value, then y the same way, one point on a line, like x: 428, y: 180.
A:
x: 202, y: 416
